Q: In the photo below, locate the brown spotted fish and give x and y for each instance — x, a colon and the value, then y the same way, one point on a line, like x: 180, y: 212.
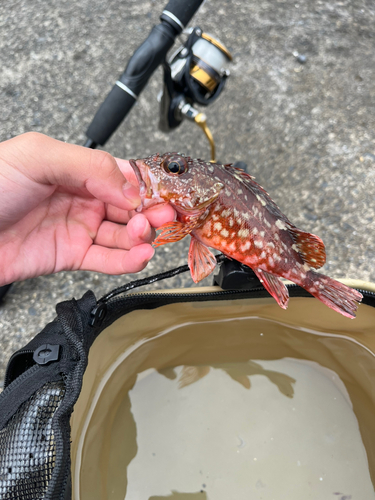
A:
x: 222, y: 207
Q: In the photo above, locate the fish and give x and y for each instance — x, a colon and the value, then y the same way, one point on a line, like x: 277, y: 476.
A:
x: 222, y: 207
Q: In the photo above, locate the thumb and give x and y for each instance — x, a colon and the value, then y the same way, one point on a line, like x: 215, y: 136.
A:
x: 52, y: 162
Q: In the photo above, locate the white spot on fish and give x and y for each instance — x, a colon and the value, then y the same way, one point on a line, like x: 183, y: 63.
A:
x: 258, y: 243
x: 267, y: 223
x: 246, y: 246
x: 262, y: 233
x: 263, y: 255
x: 306, y: 267
x: 270, y: 244
x: 231, y: 222
x: 243, y: 233
x: 254, y: 230
x: 239, y: 191
x: 259, y: 198
x: 215, y: 217
x: 226, y: 212
x: 224, y: 233
x: 295, y: 248
x: 270, y: 261
x: 281, y: 224
x: 227, y: 192
x: 217, y: 226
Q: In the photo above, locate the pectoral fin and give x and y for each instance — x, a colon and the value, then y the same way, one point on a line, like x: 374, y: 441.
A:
x: 201, y: 260
x: 174, y: 231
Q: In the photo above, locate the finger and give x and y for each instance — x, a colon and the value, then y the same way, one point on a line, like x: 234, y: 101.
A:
x: 115, y: 214
x: 127, y: 170
x: 114, y: 261
x: 114, y: 235
x: 49, y: 161
x: 160, y: 214
x: 157, y: 216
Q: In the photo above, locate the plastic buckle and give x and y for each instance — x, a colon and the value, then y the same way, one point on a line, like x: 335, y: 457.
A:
x: 236, y: 276
x: 46, y: 353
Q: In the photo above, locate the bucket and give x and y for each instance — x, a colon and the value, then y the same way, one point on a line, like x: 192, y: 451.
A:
x: 191, y: 395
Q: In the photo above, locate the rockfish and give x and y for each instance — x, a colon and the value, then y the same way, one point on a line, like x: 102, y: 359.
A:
x: 222, y: 207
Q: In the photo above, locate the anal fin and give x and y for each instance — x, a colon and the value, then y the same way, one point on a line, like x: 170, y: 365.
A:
x: 274, y: 286
x: 201, y: 260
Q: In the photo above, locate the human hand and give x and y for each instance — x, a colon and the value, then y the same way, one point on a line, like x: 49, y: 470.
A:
x: 66, y: 207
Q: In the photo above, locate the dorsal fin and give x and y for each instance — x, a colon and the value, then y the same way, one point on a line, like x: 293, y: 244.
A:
x: 257, y: 190
x: 310, y: 247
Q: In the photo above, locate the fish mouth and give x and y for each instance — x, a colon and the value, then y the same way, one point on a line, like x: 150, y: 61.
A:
x: 149, y: 189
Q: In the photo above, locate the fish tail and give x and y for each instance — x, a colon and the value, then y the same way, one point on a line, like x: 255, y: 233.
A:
x: 336, y: 295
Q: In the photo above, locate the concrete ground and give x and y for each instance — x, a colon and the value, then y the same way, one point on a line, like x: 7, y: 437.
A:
x: 306, y: 131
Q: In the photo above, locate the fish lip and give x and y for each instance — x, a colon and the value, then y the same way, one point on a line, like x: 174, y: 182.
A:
x: 149, y: 186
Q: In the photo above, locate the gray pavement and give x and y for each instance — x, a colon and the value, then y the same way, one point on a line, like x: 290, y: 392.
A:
x: 306, y: 131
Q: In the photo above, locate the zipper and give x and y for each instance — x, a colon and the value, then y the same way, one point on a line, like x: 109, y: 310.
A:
x: 42, y: 355
x: 120, y: 297
x: 19, y: 380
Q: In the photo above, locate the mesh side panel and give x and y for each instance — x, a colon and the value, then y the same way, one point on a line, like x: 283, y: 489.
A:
x: 27, y: 446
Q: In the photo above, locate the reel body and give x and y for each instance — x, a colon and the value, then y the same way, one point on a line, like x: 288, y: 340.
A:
x: 196, y: 73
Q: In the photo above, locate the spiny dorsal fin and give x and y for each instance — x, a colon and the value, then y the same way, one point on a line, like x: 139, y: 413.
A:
x: 257, y: 191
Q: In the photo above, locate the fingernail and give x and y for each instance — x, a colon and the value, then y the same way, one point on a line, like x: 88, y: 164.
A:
x: 132, y: 194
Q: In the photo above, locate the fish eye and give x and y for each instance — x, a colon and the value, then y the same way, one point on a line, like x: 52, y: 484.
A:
x: 175, y: 165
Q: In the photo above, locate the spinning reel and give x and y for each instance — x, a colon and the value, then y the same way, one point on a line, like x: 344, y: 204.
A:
x: 195, y: 74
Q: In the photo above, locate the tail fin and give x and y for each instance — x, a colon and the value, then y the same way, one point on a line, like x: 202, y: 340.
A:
x: 336, y: 295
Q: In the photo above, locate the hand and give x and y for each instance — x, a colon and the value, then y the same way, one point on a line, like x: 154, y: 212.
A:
x: 66, y: 207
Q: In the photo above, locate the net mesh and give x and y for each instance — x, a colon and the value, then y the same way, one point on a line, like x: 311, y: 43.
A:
x: 27, y: 446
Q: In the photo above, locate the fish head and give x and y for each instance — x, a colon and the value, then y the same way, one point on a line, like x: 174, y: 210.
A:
x: 188, y: 184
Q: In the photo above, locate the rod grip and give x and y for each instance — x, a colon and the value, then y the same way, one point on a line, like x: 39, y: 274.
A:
x: 183, y: 10
x: 117, y: 104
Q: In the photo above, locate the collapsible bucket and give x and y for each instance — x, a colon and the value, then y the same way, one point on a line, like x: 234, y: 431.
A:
x: 193, y: 394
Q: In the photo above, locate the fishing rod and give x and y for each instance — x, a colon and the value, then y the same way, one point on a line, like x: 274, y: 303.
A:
x: 195, y: 74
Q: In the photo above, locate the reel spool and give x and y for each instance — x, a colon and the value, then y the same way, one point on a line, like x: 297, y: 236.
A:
x: 195, y: 74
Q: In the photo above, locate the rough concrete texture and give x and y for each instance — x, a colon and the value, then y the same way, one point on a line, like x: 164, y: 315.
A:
x: 306, y: 131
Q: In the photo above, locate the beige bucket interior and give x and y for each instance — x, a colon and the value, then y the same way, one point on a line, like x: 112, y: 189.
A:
x: 229, y: 400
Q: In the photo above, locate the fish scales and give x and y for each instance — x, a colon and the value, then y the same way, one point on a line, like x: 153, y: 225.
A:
x: 222, y: 207
x: 245, y: 229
